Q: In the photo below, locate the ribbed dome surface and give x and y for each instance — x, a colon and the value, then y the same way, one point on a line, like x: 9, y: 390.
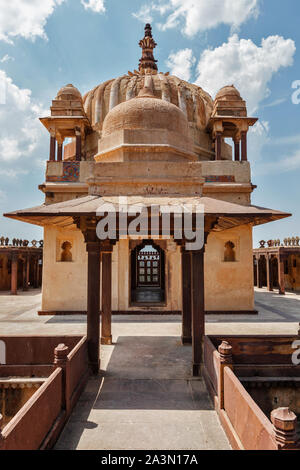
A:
x: 192, y: 100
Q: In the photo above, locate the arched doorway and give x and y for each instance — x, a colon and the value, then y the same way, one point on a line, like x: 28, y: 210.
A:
x: 147, y: 274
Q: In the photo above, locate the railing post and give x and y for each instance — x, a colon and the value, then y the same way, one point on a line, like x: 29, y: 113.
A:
x: 285, y: 424
x: 225, y: 354
x: 61, y: 360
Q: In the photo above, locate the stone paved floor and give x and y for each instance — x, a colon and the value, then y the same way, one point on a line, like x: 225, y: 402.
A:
x: 144, y: 400
x: 144, y: 397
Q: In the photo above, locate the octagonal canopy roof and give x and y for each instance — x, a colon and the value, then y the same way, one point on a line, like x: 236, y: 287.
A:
x: 226, y: 214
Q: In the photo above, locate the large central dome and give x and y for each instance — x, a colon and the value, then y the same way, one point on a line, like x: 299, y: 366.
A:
x: 145, y: 112
x: 145, y: 128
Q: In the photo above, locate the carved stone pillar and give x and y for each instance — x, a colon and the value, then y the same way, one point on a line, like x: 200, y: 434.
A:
x: 78, y: 146
x: 218, y: 144
x: 52, y: 148
x: 186, y: 337
x: 198, y: 309
x: 35, y: 273
x: 38, y: 272
x: 88, y: 227
x: 24, y: 263
x: 27, y: 272
x: 281, y: 280
x: 93, y: 305
x: 244, y: 146
x: 14, y: 274
x: 237, y: 150
x: 59, y: 151
x: 269, y: 273
x: 106, y: 253
x: 259, y: 272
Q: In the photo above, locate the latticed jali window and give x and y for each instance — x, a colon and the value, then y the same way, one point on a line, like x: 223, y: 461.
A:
x: 148, y: 268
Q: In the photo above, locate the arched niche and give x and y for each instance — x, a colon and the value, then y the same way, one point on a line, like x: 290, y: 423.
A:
x: 147, y: 274
x: 66, y: 252
x: 229, y: 252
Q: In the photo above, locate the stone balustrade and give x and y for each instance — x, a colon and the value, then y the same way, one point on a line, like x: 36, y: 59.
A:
x: 5, y: 241
x: 290, y: 241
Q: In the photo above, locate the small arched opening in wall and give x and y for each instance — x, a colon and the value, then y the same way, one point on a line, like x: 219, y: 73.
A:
x: 66, y: 252
x: 229, y: 252
x: 147, y: 273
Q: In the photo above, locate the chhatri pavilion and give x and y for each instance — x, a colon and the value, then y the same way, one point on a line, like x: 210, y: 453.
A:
x: 152, y: 140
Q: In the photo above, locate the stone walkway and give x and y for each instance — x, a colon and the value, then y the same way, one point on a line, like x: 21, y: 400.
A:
x: 144, y: 397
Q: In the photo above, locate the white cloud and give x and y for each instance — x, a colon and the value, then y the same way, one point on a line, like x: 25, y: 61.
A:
x: 20, y: 130
x: 195, y: 16
x: 13, y: 172
x: 146, y: 12
x: 285, y: 164
x: 274, y: 103
x: 289, y: 163
x: 259, y: 136
x: 180, y: 63
x: 248, y: 66
x: 286, y: 140
x: 6, y: 58
x: 95, y: 5
x: 26, y: 18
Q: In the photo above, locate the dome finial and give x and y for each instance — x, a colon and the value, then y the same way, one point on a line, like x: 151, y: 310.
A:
x: 147, y: 90
x: 147, y: 62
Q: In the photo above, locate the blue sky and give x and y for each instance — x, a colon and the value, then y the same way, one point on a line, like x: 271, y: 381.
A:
x: 254, y: 44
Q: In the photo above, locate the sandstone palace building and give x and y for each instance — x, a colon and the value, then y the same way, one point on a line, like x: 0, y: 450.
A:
x: 153, y: 139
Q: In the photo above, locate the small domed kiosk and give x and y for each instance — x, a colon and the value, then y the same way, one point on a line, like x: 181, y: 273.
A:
x: 228, y: 102
x: 229, y: 119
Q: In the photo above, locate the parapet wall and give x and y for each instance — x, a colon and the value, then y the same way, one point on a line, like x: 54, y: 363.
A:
x: 254, y: 421
x: 59, y: 365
